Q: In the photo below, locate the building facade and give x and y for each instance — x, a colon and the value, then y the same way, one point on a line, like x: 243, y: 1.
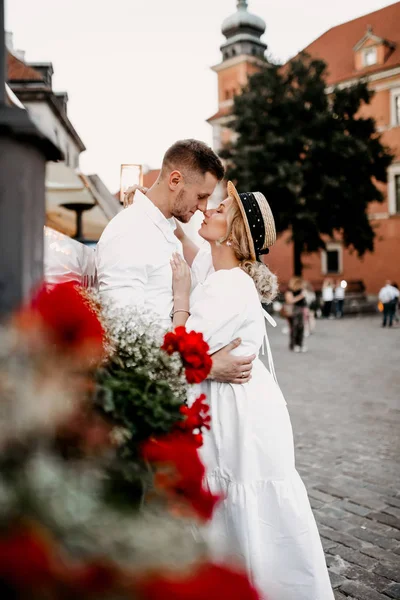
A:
x: 366, y: 48
x: 76, y: 205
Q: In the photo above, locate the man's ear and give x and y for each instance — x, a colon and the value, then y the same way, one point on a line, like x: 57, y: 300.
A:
x: 175, y: 180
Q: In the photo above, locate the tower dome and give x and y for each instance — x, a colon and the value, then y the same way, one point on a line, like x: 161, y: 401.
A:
x: 243, y: 32
x: 243, y: 20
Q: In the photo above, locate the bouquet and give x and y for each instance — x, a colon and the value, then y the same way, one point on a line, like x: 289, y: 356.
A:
x: 63, y: 532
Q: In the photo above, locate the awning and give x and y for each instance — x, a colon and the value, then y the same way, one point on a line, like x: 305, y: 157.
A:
x: 66, y: 186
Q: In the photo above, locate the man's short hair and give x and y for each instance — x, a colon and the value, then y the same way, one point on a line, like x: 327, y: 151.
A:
x: 195, y: 156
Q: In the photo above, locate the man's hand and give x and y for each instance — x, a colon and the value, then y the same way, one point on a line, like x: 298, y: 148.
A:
x: 130, y: 193
x: 231, y: 369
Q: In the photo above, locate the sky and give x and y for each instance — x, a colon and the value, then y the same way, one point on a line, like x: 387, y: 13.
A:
x: 137, y: 72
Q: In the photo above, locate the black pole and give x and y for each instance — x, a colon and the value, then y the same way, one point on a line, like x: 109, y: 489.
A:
x: 24, y: 151
x: 2, y: 56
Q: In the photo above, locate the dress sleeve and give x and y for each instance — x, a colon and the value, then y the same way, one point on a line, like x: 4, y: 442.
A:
x: 217, y: 311
x: 202, y: 265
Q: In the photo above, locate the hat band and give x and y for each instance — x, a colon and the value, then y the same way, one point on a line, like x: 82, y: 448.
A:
x: 255, y: 220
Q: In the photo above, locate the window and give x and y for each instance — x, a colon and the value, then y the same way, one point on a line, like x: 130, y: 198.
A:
x: 394, y: 189
x: 397, y: 192
x: 332, y: 259
x: 396, y: 109
x: 370, y: 57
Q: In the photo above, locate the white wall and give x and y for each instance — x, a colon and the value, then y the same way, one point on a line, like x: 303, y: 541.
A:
x: 42, y: 114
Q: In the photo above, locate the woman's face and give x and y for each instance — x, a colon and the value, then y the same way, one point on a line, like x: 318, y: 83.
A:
x: 215, y: 224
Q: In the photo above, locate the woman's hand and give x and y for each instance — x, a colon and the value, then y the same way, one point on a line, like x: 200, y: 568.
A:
x: 130, y: 193
x: 181, y: 280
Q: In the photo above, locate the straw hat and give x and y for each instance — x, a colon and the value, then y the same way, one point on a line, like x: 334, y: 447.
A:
x: 258, y: 220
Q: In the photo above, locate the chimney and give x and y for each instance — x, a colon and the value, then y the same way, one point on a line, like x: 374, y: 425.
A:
x: 9, y: 40
x: 20, y: 54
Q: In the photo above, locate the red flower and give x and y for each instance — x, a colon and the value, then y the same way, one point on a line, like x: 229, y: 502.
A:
x: 195, y: 418
x: 211, y: 582
x: 70, y: 322
x: 193, y: 350
x: 179, y: 452
x: 95, y: 579
x: 27, y: 559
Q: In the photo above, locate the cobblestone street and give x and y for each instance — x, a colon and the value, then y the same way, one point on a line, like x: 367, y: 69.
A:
x: 343, y: 397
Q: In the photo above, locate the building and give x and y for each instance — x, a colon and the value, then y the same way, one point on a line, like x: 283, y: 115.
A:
x: 77, y: 205
x: 365, y: 48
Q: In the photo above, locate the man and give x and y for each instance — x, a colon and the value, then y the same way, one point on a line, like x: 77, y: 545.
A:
x: 133, y: 254
x: 389, y: 297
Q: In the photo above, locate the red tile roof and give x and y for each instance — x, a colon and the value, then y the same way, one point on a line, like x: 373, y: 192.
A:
x: 17, y: 70
x: 223, y: 112
x: 336, y: 46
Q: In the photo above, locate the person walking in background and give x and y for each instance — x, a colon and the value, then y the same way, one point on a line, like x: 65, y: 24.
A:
x: 309, y: 311
x: 295, y: 299
x: 339, y: 299
x: 397, y: 305
x: 327, y: 297
x: 389, y: 296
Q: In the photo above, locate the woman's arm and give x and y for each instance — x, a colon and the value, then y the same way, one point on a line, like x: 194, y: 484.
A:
x: 181, y: 283
x: 290, y: 299
x: 190, y: 249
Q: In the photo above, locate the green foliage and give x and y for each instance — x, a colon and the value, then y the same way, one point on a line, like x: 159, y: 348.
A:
x: 313, y: 155
x: 136, y: 402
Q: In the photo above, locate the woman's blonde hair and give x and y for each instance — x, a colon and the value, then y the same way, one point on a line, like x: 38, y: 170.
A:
x: 295, y: 283
x: 266, y: 282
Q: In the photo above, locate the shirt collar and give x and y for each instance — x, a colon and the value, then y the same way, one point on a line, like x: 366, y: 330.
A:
x: 167, y: 226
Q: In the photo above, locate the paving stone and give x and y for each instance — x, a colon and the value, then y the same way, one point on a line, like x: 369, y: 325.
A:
x: 315, y: 504
x: 339, y: 596
x: 371, y: 579
x: 353, y: 556
x: 389, y: 571
x: 373, y: 538
x: 394, y: 502
x: 392, y: 510
x: 333, y: 523
x: 360, y: 591
x: 357, y: 509
x: 336, y: 580
x: 385, y: 518
x: 327, y: 544
x: 383, y: 556
x: 393, y: 590
x: 341, y: 538
x: 331, y: 492
x: 318, y: 495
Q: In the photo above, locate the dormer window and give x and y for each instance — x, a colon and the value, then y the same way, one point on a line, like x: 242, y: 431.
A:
x: 371, y: 50
x: 370, y: 56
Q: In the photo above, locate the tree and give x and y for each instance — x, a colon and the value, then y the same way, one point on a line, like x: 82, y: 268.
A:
x: 311, y: 153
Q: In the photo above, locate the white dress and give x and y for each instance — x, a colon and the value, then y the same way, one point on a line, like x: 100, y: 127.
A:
x: 265, y: 521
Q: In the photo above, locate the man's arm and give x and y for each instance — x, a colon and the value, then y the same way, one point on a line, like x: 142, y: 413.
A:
x: 228, y: 368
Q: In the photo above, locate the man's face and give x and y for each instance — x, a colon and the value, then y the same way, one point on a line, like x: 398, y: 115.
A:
x: 193, y: 196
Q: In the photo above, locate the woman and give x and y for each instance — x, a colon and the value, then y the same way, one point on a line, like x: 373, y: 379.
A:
x: 327, y: 298
x: 295, y: 297
x: 339, y: 299
x: 265, y: 520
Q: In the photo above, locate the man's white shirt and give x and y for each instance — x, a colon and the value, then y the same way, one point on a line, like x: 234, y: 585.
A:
x: 133, y: 259
x: 388, y: 294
